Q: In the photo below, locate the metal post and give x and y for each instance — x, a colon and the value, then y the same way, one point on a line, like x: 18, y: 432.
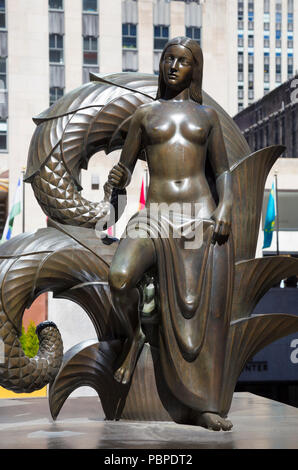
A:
x: 23, y: 201
x: 146, y: 182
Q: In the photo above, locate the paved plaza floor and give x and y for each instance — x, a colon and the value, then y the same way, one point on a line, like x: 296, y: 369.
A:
x: 259, y: 423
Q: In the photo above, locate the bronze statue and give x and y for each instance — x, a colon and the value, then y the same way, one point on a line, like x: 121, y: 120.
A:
x: 177, y: 134
x: 175, y: 295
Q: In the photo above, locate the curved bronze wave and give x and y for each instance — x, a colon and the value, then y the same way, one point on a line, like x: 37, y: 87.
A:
x: 49, y: 260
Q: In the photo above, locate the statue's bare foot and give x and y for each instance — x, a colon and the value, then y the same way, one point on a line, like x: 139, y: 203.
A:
x: 124, y: 373
x: 214, y: 422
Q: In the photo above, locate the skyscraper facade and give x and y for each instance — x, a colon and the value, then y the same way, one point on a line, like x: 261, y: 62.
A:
x: 49, y: 47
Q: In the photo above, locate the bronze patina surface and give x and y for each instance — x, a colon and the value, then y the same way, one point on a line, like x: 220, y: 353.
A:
x: 172, y: 301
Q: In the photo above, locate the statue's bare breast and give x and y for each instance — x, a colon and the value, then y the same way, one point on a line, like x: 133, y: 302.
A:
x: 175, y: 137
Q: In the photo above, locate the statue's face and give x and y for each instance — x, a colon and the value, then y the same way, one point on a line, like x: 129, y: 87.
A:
x: 178, y: 65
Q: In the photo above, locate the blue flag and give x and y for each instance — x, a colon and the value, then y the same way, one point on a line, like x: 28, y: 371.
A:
x: 270, y: 219
x: 15, y: 210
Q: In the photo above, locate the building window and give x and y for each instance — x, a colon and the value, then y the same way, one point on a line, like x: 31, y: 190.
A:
x: 250, y: 15
x: 2, y: 14
x: 193, y: 32
x: 278, y: 78
x: 250, y: 62
x: 90, y: 54
x: 278, y: 68
x: 240, y: 15
x: 291, y: 6
x: 56, y: 49
x: 3, y: 135
x: 240, y: 40
x: 266, y: 6
x: 3, y: 78
x: 94, y: 182
x: 266, y: 26
x: 290, y: 21
x: 278, y: 38
x: 278, y: 5
x: 290, y: 14
x: 55, y: 94
x: 56, y: 4
x: 240, y: 107
x: 290, y: 66
x: 266, y: 41
x: 278, y: 20
x: 240, y: 92
x: 250, y: 40
x: 250, y: 94
x: 161, y: 37
x: 129, y: 36
x: 90, y: 5
x: 266, y: 67
x: 290, y: 43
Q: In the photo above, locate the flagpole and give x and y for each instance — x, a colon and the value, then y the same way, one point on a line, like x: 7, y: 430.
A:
x: 277, y: 215
x: 146, y: 182
x: 23, y: 200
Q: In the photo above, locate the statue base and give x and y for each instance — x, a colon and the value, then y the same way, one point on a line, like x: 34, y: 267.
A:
x: 259, y: 423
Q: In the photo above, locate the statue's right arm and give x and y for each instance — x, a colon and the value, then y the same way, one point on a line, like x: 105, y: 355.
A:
x: 120, y: 175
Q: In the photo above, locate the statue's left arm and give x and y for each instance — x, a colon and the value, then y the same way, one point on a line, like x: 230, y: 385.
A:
x: 120, y: 175
x: 219, y: 161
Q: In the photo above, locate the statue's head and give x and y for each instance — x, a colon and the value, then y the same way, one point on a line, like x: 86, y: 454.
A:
x: 192, y: 72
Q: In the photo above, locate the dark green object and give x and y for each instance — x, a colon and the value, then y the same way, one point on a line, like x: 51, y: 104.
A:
x: 29, y: 340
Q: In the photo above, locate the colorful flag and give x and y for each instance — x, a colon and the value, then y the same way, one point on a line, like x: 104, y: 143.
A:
x: 270, y: 219
x: 142, y: 201
x: 15, y: 210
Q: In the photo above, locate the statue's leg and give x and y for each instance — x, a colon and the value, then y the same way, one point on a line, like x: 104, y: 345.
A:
x: 132, y: 259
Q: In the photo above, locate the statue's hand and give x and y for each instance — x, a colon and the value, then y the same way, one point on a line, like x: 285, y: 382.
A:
x: 222, y: 218
x: 119, y: 176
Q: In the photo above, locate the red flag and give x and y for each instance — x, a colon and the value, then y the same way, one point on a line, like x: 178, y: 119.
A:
x: 110, y: 231
x: 142, y: 201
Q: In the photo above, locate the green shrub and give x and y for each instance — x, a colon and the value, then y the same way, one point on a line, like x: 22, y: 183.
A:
x: 29, y: 340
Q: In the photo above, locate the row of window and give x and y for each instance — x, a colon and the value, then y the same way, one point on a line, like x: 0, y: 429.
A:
x: 278, y: 15
x: 250, y: 41
x: 90, y: 47
x: 90, y: 50
x: 129, y: 40
x: 161, y: 35
x: 88, y: 5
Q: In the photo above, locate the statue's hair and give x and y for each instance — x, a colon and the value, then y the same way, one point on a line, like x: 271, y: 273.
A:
x: 197, y: 77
